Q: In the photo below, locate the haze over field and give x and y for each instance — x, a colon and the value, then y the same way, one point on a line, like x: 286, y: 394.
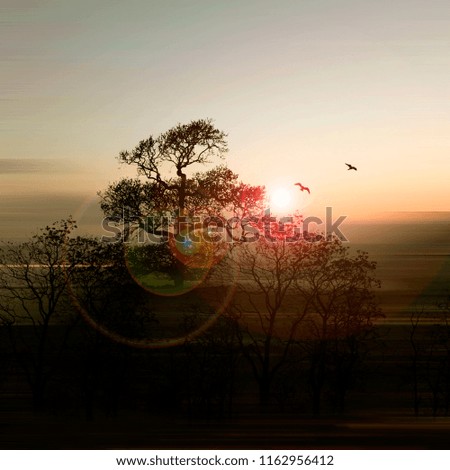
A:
x: 412, y: 251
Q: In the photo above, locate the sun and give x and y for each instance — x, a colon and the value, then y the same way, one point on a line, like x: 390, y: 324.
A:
x: 280, y: 199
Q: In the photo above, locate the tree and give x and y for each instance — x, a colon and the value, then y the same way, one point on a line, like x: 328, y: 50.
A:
x: 338, y: 291
x: 33, y: 281
x: 265, y: 305
x: 167, y: 209
x: 209, y: 367
x: 116, y: 315
x: 178, y: 148
x: 316, y: 295
x: 106, y: 294
x: 430, y: 360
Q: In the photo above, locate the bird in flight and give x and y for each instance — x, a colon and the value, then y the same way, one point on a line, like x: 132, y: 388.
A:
x: 351, y: 167
x: 302, y: 188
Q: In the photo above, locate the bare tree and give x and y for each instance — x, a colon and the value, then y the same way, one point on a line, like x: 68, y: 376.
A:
x: 33, y: 280
x: 178, y: 148
x: 265, y: 305
x: 338, y: 290
x: 430, y: 359
x: 209, y: 368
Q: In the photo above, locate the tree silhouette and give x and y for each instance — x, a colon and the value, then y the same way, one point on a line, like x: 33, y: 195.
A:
x: 338, y: 291
x: 430, y: 358
x: 210, y: 363
x: 265, y: 305
x: 179, y: 148
x: 33, y: 281
x: 172, y: 202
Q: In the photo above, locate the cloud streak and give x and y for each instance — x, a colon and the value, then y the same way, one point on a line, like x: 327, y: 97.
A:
x: 21, y: 215
x: 27, y: 165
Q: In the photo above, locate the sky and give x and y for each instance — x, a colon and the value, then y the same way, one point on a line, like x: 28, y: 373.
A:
x: 300, y: 87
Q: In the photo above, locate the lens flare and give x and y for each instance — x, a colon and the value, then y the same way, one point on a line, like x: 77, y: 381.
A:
x: 177, y: 266
x: 281, y: 199
x: 170, y: 326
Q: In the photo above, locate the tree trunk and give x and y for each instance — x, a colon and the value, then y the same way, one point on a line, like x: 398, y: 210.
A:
x: 317, y: 378
x: 264, y: 394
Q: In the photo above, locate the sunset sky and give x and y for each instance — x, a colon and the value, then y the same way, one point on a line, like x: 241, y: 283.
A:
x: 300, y: 87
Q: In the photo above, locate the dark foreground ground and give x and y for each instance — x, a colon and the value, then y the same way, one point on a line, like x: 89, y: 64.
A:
x: 379, y: 415
x: 414, y: 266
x: 26, y: 431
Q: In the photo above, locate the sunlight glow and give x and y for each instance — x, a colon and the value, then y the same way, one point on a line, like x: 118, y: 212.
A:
x: 281, y: 199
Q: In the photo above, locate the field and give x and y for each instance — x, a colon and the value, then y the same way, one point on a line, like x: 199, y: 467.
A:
x: 108, y: 395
